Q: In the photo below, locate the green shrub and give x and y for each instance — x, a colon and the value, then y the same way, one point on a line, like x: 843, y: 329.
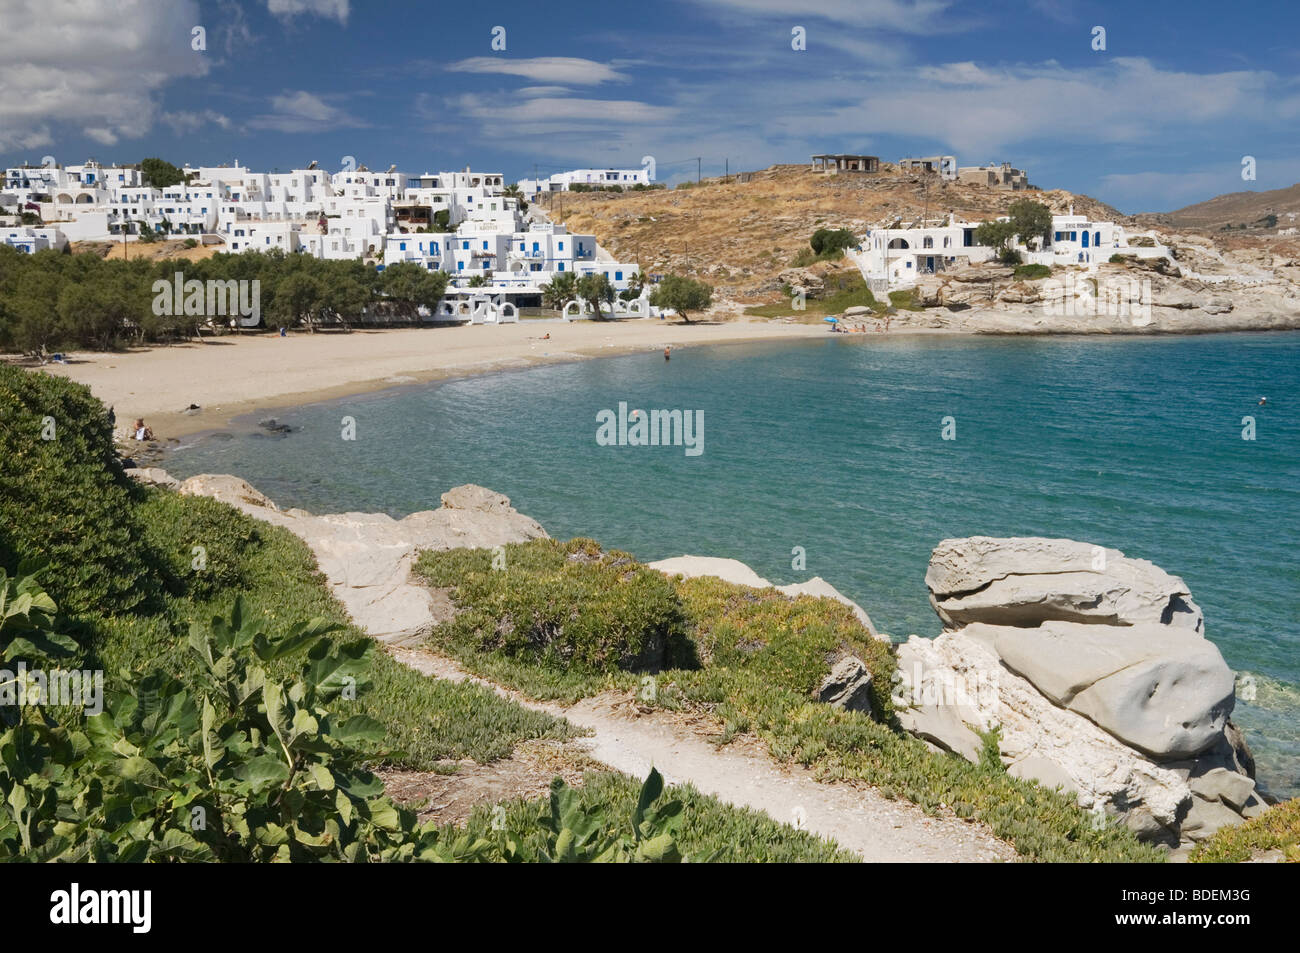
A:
x: 64, y: 498
x: 706, y: 829
x: 238, y: 765
x: 1032, y: 272
x: 568, y: 606
x: 200, y: 543
x: 1278, y: 828
x: 827, y: 240
x: 790, y: 643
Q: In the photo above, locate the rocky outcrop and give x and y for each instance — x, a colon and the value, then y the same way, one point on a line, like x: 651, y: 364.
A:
x: 1031, y: 580
x: 1095, y: 669
x: 848, y: 686
x: 1203, y: 291
x: 737, y: 573
x: 367, y: 557
x: 1160, y: 689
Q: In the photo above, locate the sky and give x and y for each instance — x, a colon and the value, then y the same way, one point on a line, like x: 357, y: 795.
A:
x: 1162, y: 117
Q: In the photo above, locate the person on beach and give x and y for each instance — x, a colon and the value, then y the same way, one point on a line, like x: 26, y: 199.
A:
x: 141, y: 431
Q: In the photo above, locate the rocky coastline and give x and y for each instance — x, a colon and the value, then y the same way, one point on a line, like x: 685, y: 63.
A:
x: 1091, y: 669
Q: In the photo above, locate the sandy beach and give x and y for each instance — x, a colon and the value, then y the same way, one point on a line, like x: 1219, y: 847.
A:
x: 235, y: 375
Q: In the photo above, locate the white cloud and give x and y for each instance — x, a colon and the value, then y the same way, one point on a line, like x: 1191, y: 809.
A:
x: 299, y: 111
x: 899, y: 16
x: 562, y: 111
x: 330, y: 9
x: 555, y: 70
x: 95, y: 74
x: 984, y: 111
x: 184, y: 122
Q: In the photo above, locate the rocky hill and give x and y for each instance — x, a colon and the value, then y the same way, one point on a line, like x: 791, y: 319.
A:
x: 1263, y: 211
x: 739, y: 234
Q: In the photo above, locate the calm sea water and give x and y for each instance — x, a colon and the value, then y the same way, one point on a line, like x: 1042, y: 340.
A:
x: 836, y: 446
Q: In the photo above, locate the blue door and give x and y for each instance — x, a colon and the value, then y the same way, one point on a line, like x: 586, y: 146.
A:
x: 1085, y: 239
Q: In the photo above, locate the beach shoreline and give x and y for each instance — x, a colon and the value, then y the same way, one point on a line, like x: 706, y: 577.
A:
x: 235, y: 376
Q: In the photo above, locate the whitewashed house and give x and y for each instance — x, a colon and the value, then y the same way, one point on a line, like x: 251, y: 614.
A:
x: 596, y: 178
x: 895, y: 256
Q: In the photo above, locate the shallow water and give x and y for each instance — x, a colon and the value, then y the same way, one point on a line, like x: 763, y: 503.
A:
x: 836, y: 446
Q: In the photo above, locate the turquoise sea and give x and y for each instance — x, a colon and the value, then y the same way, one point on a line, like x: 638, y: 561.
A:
x: 837, y: 446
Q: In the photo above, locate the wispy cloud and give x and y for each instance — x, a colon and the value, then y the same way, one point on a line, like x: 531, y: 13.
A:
x: 185, y: 122
x: 554, y: 70
x: 899, y: 16
x: 329, y: 9
x: 299, y: 111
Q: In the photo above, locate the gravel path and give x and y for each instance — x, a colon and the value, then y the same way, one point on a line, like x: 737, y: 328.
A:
x: 859, y: 819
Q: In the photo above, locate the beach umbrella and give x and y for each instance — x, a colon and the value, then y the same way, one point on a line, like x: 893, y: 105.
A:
x: 832, y: 320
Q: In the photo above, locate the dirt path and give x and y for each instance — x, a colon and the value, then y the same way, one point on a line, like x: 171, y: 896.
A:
x: 858, y: 819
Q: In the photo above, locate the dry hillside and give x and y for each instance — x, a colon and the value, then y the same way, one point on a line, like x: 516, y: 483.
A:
x: 150, y: 251
x: 740, y: 235
x: 1236, y: 209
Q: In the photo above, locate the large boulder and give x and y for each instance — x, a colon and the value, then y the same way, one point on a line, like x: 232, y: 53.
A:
x: 1024, y: 581
x: 1160, y: 689
x: 952, y: 688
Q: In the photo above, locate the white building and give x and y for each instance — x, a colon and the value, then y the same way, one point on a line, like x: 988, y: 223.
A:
x: 596, y: 178
x: 463, y: 223
x: 896, y: 256
x: 30, y: 239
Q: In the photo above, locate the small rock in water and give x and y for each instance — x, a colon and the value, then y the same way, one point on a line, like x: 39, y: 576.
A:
x: 271, y: 425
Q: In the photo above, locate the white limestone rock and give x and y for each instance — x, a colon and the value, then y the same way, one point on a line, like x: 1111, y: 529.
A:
x: 1163, y: 690
x: 1025, y: 581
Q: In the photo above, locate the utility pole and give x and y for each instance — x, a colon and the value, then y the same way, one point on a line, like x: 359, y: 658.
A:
x: 697, y: 170
x: 726, y: 165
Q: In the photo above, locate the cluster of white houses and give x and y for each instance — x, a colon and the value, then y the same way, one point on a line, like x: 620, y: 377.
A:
x: 896, y: 255
x: 468, y: 224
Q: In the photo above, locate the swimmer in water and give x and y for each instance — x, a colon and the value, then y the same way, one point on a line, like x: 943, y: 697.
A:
x: 1263, y: 401
x: 667, y: 356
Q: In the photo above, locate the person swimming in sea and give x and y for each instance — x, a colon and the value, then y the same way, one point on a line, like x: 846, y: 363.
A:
x: 668, y: 356
x: 1263, y: 401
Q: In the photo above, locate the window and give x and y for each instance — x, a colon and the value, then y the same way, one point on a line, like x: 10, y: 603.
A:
x: 927, y: 242
x: 401, y: 246
x: 485, y: 246
x: 561, y: 268
x: 460, y: 266
x: 618, y: 276
x: 464, y: 246
x: 561, y: 246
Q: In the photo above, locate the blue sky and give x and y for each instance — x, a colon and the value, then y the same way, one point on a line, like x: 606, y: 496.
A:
x: 1159, y: 119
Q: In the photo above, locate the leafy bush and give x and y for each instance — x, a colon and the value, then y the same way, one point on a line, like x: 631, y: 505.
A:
x: 64, y: 498
x: 568, y: 606
x: 682, y: 295
x: 827, y: 240
x: 790, y: 643
x: 1032, y: 272
x: 243, y: 767
x: 199, y: 542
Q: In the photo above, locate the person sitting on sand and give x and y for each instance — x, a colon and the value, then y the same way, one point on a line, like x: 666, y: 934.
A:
x: 141, y: 431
